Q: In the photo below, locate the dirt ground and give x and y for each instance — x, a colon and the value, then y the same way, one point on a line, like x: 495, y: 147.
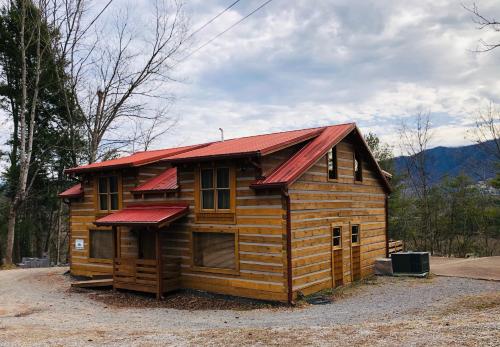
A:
x: 487, y: 268
x: 38, y: 309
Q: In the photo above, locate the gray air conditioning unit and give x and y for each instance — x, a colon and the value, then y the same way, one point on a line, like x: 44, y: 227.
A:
x: 414, y: 263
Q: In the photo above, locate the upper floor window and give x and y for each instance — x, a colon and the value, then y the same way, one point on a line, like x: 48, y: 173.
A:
x: 108, y: 193
x: 215, y: 189
x: 358, y: 167
x: 332, y: 164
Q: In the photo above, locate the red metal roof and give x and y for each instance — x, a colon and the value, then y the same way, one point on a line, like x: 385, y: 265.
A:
x: 251, y: 145
x: 136, y: 159
x: 301, y: 161
x: 166, y: 181
x: 320, y: 140
x: 149, y: 215
x: 74, y: 192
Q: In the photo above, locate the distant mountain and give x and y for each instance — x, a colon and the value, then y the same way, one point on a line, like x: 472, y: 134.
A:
x: 476, y: 161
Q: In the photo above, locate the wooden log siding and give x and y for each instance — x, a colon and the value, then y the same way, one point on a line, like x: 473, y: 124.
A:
x: 260, y: 224
x: 317, y: 204
x: 260, y: 228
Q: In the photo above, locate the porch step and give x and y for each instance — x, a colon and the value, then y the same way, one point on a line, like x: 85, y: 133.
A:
x: 106, y: 282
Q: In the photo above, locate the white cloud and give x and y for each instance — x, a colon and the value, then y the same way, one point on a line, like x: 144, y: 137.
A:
x: 301, y: 63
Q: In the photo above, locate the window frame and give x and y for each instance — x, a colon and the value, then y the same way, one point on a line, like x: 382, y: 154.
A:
x: 359, y: 159
x: 358, y: 242
x: 221, y: 216
x: 215, y: 189
x: 118, y: 193
x: 235, y: 271
x: 339, y: 246
x: 100, y: 260
x: 332, y: 150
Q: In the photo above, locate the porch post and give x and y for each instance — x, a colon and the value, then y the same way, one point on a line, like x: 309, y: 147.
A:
x: 159, y: 269
x: 115, y: 247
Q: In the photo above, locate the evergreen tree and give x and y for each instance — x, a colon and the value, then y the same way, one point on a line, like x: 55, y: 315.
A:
x: 51, y: 140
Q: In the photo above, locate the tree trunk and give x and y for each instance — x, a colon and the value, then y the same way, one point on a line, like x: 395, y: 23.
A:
x: 11, y: 226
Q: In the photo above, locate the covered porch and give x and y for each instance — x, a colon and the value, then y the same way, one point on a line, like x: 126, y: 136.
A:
x: 138, y: 259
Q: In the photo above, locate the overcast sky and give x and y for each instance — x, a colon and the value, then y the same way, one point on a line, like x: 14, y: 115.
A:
x: 297, y: 64
x: 302, y: 63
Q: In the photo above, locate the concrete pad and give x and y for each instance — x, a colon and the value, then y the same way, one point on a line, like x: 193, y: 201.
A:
x: 486, y: 268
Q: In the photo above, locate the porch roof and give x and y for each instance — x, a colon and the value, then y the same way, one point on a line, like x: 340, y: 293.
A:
x: 144, y: 215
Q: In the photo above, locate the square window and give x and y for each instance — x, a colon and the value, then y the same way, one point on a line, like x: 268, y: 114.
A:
x: 215, y: 189
x: 214, y: 250
x: 101, y: 244
x: 108, y: 193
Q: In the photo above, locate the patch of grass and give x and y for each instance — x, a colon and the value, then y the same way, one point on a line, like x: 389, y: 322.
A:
x: 479, y: 302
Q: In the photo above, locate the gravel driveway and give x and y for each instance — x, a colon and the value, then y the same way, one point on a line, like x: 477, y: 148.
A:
x: 36, y: 308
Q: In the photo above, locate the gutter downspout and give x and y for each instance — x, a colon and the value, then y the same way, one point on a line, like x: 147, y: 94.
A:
x: 286, y: 196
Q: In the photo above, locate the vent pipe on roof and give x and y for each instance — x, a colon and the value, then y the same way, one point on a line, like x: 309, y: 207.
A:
x: 221, y: 134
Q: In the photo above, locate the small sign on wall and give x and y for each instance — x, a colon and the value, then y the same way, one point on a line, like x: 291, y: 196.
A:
x: 79, y: 244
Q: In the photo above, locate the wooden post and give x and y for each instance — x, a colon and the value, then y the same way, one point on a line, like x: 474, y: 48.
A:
x: 159, y: 271
x: 115, y: 247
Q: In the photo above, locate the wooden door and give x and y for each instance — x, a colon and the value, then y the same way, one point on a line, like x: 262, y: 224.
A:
x: 337, y: 255
x: 355, y: 234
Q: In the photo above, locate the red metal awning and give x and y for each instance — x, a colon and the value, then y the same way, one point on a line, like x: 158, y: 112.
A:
x: 144, y: 215
x: 164, y: 182
x: 74, y: 192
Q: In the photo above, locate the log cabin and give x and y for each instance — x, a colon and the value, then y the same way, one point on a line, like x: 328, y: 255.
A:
x: 269, y: 217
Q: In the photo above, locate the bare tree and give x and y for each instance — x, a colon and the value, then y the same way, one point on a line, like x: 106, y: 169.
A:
x: 484, y: 22
x: 488, y: 129
x: 146, y: 132
x: 114, y: 77
x: 27, y: 120
x: 414, y: 143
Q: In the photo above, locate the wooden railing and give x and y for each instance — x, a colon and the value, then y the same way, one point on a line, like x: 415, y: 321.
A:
x: 396, y: 246
x: 136, y: 274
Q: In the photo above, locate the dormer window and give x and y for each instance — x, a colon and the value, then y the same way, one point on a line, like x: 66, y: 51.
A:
x: 358, y: 168
x: 332, y: 164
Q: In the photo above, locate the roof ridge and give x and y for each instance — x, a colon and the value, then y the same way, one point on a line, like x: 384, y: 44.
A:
x: 172, y: 148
